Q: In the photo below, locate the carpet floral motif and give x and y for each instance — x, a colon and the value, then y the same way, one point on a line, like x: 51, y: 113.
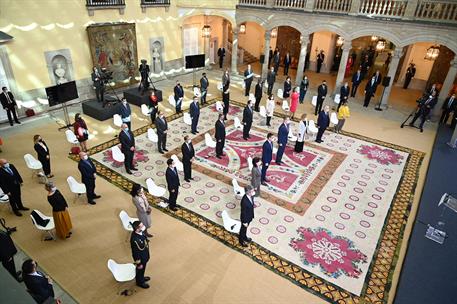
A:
x: 383, y: 156
x: 139, y: 156
x: 334, y: 254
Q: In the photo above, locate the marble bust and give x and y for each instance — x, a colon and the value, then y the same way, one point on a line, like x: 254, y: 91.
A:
x: 60, y: 73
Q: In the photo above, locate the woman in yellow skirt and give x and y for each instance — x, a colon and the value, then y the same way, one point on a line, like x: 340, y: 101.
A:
x: 60, y: 213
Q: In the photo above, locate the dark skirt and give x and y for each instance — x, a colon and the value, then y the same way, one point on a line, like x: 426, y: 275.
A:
x: 299, y: 146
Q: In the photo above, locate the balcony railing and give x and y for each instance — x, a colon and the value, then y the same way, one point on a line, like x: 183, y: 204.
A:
x: 154, y: 3
x: 104, y: 3
x: 254, y: 2
x: 290, y: 4
x: 436, y: 10
x: 383, y: 8
x: 335, y: 6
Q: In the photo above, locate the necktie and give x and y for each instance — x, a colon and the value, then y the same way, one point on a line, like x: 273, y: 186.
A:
x: 128, y: 135
x: 8, y: 97
x: 9, y: 171
x: 450, y: 102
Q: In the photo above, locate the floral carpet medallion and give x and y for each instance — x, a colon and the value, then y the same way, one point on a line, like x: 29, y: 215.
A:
x: 382, y: 156
x: 140, y: 156
x: 334, y: 254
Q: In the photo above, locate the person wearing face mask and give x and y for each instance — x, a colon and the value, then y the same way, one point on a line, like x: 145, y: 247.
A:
x: 188, y: 156
x: 173, y: 184
x: 43, y: 154
x: 321, y: 94
x: 344, y: 94
x: 323, y: 121
x: 423, y: 110
x: 143, y: 209
x: 125, y: 112
x: 248, y: 116
x: 60, y: 213
x: 127, y: 140
x: 81, y: 132
x: 247, y: 214
x: 256, y: 175
x: 88, y: 175
x: 194, y: 111
x: 179, y: 96
x: 370, y: 90
x: 140, y: 253
x: 287, y: 88
x: 220, y: 136
x: 283, y: 134
x: 304, y: 84
x: 267, y: 156
x: 162, y: 129
x: 38, y: 284
x: 11, y: 182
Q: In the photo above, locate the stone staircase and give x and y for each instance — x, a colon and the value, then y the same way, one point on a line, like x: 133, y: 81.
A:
x: 248, y: 57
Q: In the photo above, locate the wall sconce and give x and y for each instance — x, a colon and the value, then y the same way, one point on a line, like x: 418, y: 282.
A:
x: 374, y: 38
x: 274, y: 33
x: 340, y: 41
x: 432, y: 52
x: 381, y: 45
x: 242, y: 29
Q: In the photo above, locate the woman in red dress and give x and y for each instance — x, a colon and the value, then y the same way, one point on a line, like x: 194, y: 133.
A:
x: 294, y: 101
x: 154, y: 106
x: 348, y: 67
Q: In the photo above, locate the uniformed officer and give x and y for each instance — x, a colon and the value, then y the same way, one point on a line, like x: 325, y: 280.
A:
x: 140, y: 253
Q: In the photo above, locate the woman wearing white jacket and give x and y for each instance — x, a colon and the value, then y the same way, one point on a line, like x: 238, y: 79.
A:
x: 302, y: 131
x: 270, y: 107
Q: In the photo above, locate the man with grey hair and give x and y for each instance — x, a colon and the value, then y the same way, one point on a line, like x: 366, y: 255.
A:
x: 247, y: 214
x: 127, y: 140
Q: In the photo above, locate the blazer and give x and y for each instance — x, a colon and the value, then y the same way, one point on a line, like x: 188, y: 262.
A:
x: 220, y: 130
x: 87, y: 169
x: 271, y: 77
x: 39, y: 287
x: 225, y: 82
x: 323, y: 120
x: 246, y: 74
x: 322, y: 91
x: 204, y: 83
x: 267, y: 152
x: 453, y: 105
x: 344, y: 93
x: 258, y: 90
x: 161, y: 125
x: 172, y: 179
x: 96, y: 79
x: 427, y: 104
x: 283, y: 134
x: 7, y: 245
x: 410, y: 72
x: 247, y: 115
x: 126, y: 142
x: 304, y: 84
x: 10, y: 182
x: 256, y: 177
x: 179, y: 92
x: 140, y: 248
x: 287, y: 60
x: 42, y: 153
x: 287, y: 89
x: 5, y: 102
x: 377, y: 79
x: 124, y: 111
x: 357, y: 78
x: 370, y: 88
x: 221, y: 52
x: 194, y: 110
x: 247, y: 209
x: 187, y: 151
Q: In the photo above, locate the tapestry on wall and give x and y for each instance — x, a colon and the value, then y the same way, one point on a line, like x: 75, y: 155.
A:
x: 113, y: 46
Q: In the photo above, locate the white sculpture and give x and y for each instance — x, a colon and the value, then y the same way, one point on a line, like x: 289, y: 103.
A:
x: 156, y: 62
x: 60, y: 72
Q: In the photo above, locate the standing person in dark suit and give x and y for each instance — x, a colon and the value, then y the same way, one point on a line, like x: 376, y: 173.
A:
x: 139, y: 244
x: 220, y: 136
x: 127, y: 140
x: 188, y: 156
x: 276, y: 62
x: 344, y: 94
x: 204, y: 83
x: 258, y: 94
x: 179, y: 96
x: 7, y: 252
x: 226, y: 93
x: 424, y: 108
x: 38, y: 284
x: 323, y: 121
x: 364, y: 66
x: 247, y: 120
x: 248, y: 77
x: 304, y: 85
x: 287, y: 88
x: 267, y: 156
x: 256, y: 175
x: 356, y: 80
x: 98, y: 85
x: 283, y: 134
x: 43, y: 154
x: 286, y: 64
x: 162, y: 129
x: 194, y: 111
x: 154, y: 106
x: 11, y: 182
x: 88, y: 175
x: 247, y: 214
x: 377, y: 78
x: 271, y: 79
x: 321, y: 94
x: 370, y: 89
x: 125, y: 112
x: 320, y: 61
x: 173, y: 184
x: 449, y: 106
x: 410, y: 72
x: 221, y: 54
x: 9, y: 105
x: 270, y: 57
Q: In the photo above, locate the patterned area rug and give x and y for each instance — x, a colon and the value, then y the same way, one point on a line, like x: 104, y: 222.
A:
x: 331, y: 219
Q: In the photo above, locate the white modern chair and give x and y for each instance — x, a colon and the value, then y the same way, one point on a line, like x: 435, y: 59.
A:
x: 219, y: 106
x: 117, y: 120
x: 291, y: 136
x: 197, y: 92
x: 263, y: 111
x: 48, y: 228
x: 145, y: 110
x: 220, y: 87
x: 312, y: 127
x: 250, y: 165
x: 122, y: 273
x: 152, y: 135
x: 187, y: 119
x: 209, y: 142
x: 179, y: 165
x: 337, y: 99
x: 172, y: 101
x: 237, y: 123
x: 117, y: 154
x: 239, y: 191
x: 280, y: 94
x: 314, y: 101
x: 4, y: 200
x: 265, y: 84
x: 230, y: 224
x: 126, y: 220
x: 153, y: 189
x: 71, y: 137
x: 251, y: 97
x: 334, y: 118
x: 285, y: 105
x: 75, y: 187
x: 34, y: 165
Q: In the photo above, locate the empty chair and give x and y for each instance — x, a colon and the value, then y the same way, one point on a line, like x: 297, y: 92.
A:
x: 230, y: 224
x: 265, y: 84
x: 71, y: 137
x: 251, y: 96
x: 126, y: 220
x: 236, y: 188
x: 76, y: 187
x: 280, y: 94
x: 250, y: 165
x: 237, y: 123
x: 312, y: 127
x: 209, y: 142
x: 122, y: 273
x: 197, y: 92
x: 220, y: 87
x: 334, y: 118
x: 219, y: 106
x: 153, y: 189
x: 337, y: 99
x: 291, y: 136
x: 45, y: 229
x: 117, y: 120
x: 4, y: 200
x: 34, y: 165
x: 145, y: 110
x: 178, y: 163
x: 263, y: 111
x: 172, y: 101
x: 152, y: 135
x: 117, y: 154
x: 285, y: 105
x: 314, y: 101
x: 187, y: 119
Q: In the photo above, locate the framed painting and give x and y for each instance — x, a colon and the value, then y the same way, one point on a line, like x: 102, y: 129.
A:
x: 113, y: 47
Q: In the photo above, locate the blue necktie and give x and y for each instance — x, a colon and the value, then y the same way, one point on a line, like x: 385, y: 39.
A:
x: 9, y: 171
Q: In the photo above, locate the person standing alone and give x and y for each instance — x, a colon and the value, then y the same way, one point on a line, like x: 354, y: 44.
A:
x: 247, y: 214
x: 139, y: 244
x: 9, y: 105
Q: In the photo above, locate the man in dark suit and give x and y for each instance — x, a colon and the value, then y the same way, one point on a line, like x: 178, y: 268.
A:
x: 188, y: 156
x: 370, y: 89
x: 38, y: 284
x: 172, y: 183
x: 424, y: 108
x: 270, y: 57
x: 248, y: 77
x: 319, y: 61
x: 377, y: 78
x: 323, y: 121
x: 286, y: 64
x: 7, y: 252
x: 194, y: 111
x: 276, y: 62
x: 221, y: 54
x: 271, y: 79
x: 344, y: 94
x: 247, y: 214
x: 11, y: 182
x: 220, y: 136
x: 283, y: 135
x: 9, y: 105
x: 88, y: 175
x: 258, y: 94
x: 364, y: 66
x: 410, y: 72
x: 226, y: 93
x: 247, y: 119
x: 162, y: 129
x: 356, y: 79
x: 127, y: 147
x: 98, y: 85
x: 449, y: 106
x: 204, y: 83
x: 267, y: 156
x: 179, y: 96
x: 139, y: 244
x: 321, y: 94
x: 125, y: 112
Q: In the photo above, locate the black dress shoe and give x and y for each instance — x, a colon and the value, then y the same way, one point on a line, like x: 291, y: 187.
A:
x: 166, y: 150
x: 218, y: 156
x: 18, y: 122
x: 191, y: 178
x: 248, y: 239
x: 174, y: 209
x: 92, y: 202
x: 134, y: 169
x: 264, y: 184
x: 147, y: 279
x: 161, y: 152
x: 97, y: 196
x: 129, y: 172
x: 144, y: 285
x: 422, y: 130
x: 243, y: 244
x: 187, y: 180
x: 17, y: 213
x: 195, y: 133
x: 24, y: 209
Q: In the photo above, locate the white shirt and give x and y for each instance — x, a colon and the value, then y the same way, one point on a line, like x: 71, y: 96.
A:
x: 270, y: 107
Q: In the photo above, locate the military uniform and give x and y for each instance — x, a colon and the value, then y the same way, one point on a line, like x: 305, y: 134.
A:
x: 140, y: 253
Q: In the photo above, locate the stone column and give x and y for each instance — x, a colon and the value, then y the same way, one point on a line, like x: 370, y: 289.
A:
x: 392, y: 70
x: 235, y: 52
x: 447, y: 86
x: 266, y: 53
x: 206, y: 41
x: 301, y: 60
x: 347, y: 46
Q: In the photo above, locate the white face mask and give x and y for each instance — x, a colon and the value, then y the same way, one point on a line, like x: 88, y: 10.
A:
x: 189, y: 142
x: 53, y: 189
x: 259, y: 164
x: 85, y: 157
x: 143, y: 228
x: 6, y: 165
